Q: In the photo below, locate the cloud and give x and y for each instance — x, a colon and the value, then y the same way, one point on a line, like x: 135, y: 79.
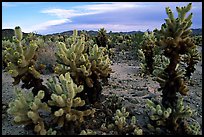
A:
x: 93, y: 9
x: 45, y: 25
x: 87, y: 9
x: 63, y: 13
x: 106, y: 7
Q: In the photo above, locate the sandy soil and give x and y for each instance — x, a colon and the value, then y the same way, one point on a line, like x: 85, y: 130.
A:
x: 126, y: 83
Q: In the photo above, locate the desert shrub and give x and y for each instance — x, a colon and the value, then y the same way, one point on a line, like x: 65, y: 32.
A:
x: 46, y: 57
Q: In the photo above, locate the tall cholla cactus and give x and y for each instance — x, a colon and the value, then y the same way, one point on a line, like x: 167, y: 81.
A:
x: 175, y: 40
x: 85, y: 68
x: 102, y: 38
x: 146, y: 53
x: 174, y: 37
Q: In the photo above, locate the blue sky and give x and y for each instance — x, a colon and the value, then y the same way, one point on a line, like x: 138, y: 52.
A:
x: 53, y: 17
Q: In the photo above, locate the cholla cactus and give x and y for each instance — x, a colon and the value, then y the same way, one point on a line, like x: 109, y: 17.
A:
x: 21, y: 59
x: 191, y: 59
x: 102, y: 38
x: 146, y: 53
x: 174, y: 38
x: 160, y: 116
x: 120, y: 118
x: 64, y: 97
x: 87, y: 132
x: 85, y: 69
x: 124, y: 125
x: 21, y: 64
x: 26, y: 110
x: 64, y: 105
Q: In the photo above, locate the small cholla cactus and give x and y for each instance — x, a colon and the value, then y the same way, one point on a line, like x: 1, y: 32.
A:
x: 122, y: 124
x: 158, y: 116
x: 64, y: 97
x: 26, y: 110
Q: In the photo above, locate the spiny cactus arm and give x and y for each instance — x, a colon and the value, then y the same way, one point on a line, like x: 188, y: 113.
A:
x: 191, y: 59
x: 30, y: 51
x: 61, y: 68
x: 14, y: 70
x: 34, y: 72
x: 141, y: 55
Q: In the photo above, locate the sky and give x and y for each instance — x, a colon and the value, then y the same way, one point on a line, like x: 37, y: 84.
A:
x: 54, y: 17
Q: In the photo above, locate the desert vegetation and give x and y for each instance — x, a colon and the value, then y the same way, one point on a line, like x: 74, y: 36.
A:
x: 64, y: 84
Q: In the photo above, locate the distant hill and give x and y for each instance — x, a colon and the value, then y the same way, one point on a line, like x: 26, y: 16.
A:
x: 9, y: 33
x: 70, y: 32
x: 93, y: 33
x: 197, y: 31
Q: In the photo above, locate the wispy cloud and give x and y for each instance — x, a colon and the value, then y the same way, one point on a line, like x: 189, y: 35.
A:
x: 63, y: 13
x: 45, y: 25
x: 87, y: 9
x: 84, y: 10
